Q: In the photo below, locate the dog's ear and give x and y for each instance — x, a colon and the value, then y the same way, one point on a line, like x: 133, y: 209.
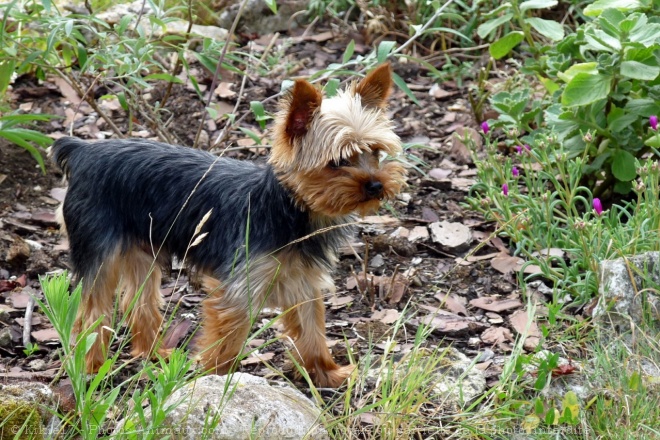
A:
x: 375, y: 87
x: 305, y: 100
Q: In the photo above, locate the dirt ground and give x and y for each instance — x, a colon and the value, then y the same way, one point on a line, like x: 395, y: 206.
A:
x: 404, y: 270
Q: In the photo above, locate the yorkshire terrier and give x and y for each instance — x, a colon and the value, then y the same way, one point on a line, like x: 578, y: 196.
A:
x: 273, y: 232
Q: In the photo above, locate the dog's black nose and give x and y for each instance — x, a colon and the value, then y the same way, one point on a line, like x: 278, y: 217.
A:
x: 373, y: 188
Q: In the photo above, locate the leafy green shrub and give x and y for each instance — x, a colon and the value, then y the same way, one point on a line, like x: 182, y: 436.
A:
x: 603, y: 84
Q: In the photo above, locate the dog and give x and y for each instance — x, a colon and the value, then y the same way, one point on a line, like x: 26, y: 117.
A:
x: 262, y: 235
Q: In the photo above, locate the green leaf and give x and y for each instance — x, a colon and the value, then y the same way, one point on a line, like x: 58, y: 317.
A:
x: 646, y: 35
x: 348, y: 53
x: 6, y: 72
x: 618, y: 120
x: 18, y: 140
x: 637, y: 70
x: 272, y: 5
x: 537, y: 4
x: 403, y: 86
x: 644, y: 107
x: 571, y: 407
x: 597, y: 7
x: 635, y: 381
x: 548, y: 28
x: 251, y: 134
x: 653, y: 141
x: 600, y: 40
x: 549, y: 84
x: 259, y: 113
x: 486, y: 28
x: 384, y: 49
x: 623, y: 165
x: 585, y: 89
x: 331, y: 87
x: 504, y: 45
x: 164, y: 77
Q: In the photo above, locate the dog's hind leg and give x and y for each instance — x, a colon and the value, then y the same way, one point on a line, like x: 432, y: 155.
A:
x: 98, y: 303
x: 141, y: 300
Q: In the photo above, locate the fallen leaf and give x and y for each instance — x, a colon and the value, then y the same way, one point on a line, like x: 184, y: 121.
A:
x: 459, y: 149
x: 257, y: 358
x: 176, y: 333
x: 321, y: 37
x: 337, y: 302
x: 429, y: 215
x: 386, y: 316
x: 452, y: 302
x: 45, y: 217
x: 520, y: 322
x: 497, y: 335
x: 224, y: 90
x: 494, y: 304
x: 19, y: 300
x: 8, y: 285
x: 506, y: 264
x: 380, y: 220
x: 474, y: 258
x: 439, y: 93
x: 439, y: 173
x: 549, y: 252
x: 67, y: 91
x: 48, y: 334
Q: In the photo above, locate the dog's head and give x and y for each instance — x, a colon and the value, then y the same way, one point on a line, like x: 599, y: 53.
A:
x: 330, y: 151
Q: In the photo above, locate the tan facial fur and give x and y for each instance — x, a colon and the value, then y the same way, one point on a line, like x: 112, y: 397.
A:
x: 312, y: 133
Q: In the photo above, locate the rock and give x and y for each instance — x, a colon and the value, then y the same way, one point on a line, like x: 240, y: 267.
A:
x: 177, y: 27
x: 37, y: 365
x: 377, y: 261
x: 5, y: 337
x: 249, y: 408
x: 455, y: 380
x: 418, y: 233
x: 258, y: 18
x: 18, y: 252
x: 31, y: 403
x: 452, y: 236
x: 620, y: 302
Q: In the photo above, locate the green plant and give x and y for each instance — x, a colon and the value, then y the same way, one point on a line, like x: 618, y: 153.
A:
x: 32, y: 141
x: 30, y: 349
x: 519, y: 13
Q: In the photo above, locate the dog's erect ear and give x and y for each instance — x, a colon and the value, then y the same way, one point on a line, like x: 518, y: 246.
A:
x: 375, y: 87
x: 305, y: 99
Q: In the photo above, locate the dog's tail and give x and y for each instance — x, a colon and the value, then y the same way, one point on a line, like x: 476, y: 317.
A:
x: 60, y: 152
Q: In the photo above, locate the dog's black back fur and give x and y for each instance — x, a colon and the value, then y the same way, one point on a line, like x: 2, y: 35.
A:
x: 129, y: 192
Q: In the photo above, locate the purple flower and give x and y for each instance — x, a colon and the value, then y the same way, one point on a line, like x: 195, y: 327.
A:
x: 515, y: 172
x: 653, y: 120
x: 598, y: 206
x: 528, y: 148
x: 485, y: 127
x: 518, y: 149
x: 505, y: 189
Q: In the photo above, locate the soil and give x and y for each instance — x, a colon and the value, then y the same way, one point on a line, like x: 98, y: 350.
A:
x: 413, y: 275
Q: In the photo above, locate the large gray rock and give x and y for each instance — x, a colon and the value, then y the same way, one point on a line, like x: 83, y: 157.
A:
x: 621, y: 302
x: 246, y: 408
x: 455, y: 380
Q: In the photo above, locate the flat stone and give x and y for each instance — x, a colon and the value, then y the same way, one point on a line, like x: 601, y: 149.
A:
x: 244, y: 406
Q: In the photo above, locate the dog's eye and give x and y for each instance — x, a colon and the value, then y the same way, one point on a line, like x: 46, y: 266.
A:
x: 340, y: 163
